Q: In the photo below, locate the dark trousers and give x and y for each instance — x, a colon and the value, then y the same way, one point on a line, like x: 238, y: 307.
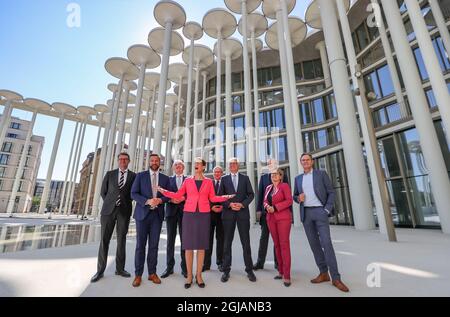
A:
x: 108, y: 223
x: 317, y: 229
x: 217, y: 226
x: 229, y: 226
x: 171, y: 224
x: 264, y: 243
x: 149, y: 230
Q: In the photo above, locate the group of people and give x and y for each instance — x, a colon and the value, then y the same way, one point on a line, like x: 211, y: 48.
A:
x: 200, y: 208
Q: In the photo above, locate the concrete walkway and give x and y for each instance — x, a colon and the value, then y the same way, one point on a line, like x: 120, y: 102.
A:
x: 416, y: 266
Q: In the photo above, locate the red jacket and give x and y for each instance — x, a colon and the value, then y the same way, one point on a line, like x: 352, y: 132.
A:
x: 282, y: 201
x: 196, y: 198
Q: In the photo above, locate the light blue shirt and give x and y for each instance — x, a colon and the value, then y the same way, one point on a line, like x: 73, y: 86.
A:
x: 311, y: 199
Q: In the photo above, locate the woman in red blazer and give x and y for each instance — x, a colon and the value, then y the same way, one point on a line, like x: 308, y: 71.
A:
x: 199, y: 193
x: 277, y: 201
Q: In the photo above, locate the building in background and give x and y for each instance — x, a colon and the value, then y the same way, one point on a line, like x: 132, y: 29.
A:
x: 10, y: 153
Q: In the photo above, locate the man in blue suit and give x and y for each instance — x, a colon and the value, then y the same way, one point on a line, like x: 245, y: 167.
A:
x: 174, y: 219
x: 315, y: 194
x: 149, y: 216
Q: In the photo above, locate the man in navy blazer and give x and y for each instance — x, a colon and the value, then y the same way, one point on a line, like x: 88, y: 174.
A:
x: 174, y: 219
x: 149, y: 216
x: 236, y: 213
x: 316, y: 195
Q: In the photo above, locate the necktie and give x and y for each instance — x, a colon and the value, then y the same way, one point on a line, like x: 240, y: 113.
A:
x: 121, y: 184
x: 217, y: 187
x: 235, y: 182
x: 179, y: 179
x: 154, y: 185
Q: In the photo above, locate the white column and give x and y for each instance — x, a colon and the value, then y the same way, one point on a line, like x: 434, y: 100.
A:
x: 292, y: 82
x: 77, y: 163
x: 72, y: 173
x: 60, y: 209
x: 293, y: 165
x: 6, y: 120
x: 419, y: 107
x: 51, y: 166
x: 368, y: 132
x: 440, y: 22
x: 229, y: 136
x: 353, y: 152
x: 112, y: 132
x: 137, y: 114
x: 169, y: 159
x: 219, y: 99
x: 187, y: 133
x: 140, y: 159
x: 257, y: 105
x: 20, y: 169
x: 177, y: 130
x: 123, y: 119
x: 249, y: 128
x: 150, y: 127
x: 162, y: 90
x: 389, y: 58
x: 431, y: 61
x: 91, y: 172
x: 325, y: 63
x: 196, y: 121
x: 203, y: 125
x: 101, y: 168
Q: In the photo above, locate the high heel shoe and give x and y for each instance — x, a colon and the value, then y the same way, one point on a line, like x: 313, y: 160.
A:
x: 201, y: 285
x: 188, y: 285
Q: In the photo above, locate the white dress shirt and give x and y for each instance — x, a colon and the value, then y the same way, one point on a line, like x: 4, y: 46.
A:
x: 311, y: 199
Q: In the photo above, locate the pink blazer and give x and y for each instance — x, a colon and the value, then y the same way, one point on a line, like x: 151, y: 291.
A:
x: 282, y: 201
x: 195, y: 198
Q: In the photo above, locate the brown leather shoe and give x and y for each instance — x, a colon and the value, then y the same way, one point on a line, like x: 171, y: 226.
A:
x: 340, y: 286
x: 137, y: 281
x: 322, y: 278
x: 154, y: 278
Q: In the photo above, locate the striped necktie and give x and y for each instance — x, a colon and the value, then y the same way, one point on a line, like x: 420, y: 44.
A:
x: 121, y: 185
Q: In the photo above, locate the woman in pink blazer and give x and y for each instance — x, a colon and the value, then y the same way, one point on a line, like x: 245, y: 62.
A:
x: 277, y: 201
x: 199, y: 193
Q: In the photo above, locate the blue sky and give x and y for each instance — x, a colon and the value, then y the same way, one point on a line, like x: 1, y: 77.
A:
x: 44, y: 58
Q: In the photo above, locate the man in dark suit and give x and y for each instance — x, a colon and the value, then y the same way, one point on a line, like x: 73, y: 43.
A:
x: 149, y: 216
x: 316, y: 195
x: 216, y: 226
x: 116, y: 210
x: 236, y: 213
x: 174, y: 219
x: 265, y: 181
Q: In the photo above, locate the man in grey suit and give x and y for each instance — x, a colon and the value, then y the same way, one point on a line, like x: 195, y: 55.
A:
x: 315, y: 194
x: 117, y: 209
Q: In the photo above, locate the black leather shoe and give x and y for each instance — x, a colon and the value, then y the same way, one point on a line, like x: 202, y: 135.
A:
x: 225, y: 277
x: 123, y: 273
x: 287, y: 284
x: 278, y: 277
x: 97, y: 277
x: 251, y: 276
x: 258, y: 266
x: 201, y: 285
x: 167, y: 273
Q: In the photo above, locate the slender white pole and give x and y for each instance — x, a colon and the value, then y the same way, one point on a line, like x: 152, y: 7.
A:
x: 123, y: 119
x: 196, y: 120
x: 63, y: 193
x: 441, y: 24
x: 136, y: 120
x: 229, y: 136
x: 257, y: 105
x: 150, y: 127
x: 177, y: 130
x: 74, y: 180
x: 162, y: 89
x: 92, y: 169
x: 218, y: 134
x: 51, y: 166
x: 187, y: 134
x: 72, y: 173
x: 202, y: 139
